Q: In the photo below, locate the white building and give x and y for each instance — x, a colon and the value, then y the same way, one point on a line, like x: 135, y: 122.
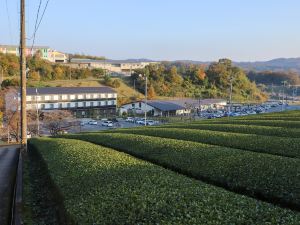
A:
x: 80, y: 100
x: 172, y: 107
x: 115, y: 66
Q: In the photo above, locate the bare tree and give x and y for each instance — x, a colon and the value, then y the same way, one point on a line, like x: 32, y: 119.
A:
x: 57, y: 121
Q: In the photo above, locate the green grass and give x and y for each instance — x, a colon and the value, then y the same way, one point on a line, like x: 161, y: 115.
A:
x: 273, y: 178
x: 103, y: 186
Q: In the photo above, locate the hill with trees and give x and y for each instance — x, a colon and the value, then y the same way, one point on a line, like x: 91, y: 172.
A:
x: 42, y: 70
x: 197, y: 81
x: 274, y: 77
x: 167, y: 79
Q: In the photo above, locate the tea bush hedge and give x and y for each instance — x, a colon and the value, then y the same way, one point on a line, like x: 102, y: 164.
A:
x: 272, y: 177
x: 103, y: 186
x: 272, y: 123
x: 289, y: 147
x: 245, y: 129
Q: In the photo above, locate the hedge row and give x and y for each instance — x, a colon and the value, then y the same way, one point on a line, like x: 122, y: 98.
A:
x: 273, y: 178
x: 269, y: 118
x: 273, y: 123
x: 245, y: 129
x: 103, y: 186
x: 289, y: 147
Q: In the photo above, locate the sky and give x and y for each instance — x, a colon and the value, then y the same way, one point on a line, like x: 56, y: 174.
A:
x: 204, y: 30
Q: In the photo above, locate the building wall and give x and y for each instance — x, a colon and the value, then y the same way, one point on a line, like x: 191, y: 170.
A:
x: 137, y: 107
x: 85, y: 103
x: 46, y: 52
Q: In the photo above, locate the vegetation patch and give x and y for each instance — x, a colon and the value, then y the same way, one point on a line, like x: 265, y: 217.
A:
x: 272, y: 178
x: 103, y: 186
x: 289, y: 147
x: 239, y: 128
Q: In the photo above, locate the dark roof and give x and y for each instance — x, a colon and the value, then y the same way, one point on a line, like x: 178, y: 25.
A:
x: 69, y: 90
x: 180, y: 104
x: 165, y: 105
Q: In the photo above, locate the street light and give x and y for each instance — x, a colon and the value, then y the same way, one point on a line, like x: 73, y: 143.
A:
x: 146, y: 103
x: 37, y: 113
x: 231, y: 79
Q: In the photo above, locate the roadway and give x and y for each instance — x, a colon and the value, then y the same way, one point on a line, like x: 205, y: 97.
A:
x: 9, y: 156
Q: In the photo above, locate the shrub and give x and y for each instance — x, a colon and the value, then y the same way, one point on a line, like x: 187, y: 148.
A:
x: 275, y: 123
x: 237, y: 128
x: 289, y: 147
x: 102, y: 186
x: 271, y: 177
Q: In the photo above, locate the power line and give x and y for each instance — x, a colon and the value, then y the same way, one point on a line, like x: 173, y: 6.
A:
x: 9, y: 22
x: 37, y: 24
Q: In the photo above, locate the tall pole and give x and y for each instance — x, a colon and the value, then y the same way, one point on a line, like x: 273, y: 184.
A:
x: 37, y: 113
x: 23, y: 77
x: 230, y: 96
x: 146, y: 101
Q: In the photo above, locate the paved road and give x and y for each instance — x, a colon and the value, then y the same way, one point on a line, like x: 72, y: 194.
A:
x: 9, y: 156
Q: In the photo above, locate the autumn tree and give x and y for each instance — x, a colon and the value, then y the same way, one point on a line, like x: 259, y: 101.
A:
x: 151, y: 93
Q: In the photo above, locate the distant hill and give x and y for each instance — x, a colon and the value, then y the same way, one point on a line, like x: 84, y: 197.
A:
x: 280, y: 64
x: 275, y: 65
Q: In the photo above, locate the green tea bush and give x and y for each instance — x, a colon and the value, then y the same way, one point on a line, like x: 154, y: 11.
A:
x: 245, y: 129
x: 103, y: 186
x: 274, y: 178
x: 273, y: 123
x: 289, y: 147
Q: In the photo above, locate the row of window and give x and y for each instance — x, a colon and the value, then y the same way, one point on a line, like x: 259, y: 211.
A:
x: 68, y: 97
x: 68, y: 105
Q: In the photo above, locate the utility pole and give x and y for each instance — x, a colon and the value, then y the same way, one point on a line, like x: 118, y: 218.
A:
x: 37, y: 113
x: 230, y: 95
x: 23, y: 77
x: 146, y: 100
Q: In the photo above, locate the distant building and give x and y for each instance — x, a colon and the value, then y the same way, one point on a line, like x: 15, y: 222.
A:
x: 44, y: 51
x: 83, y: 101
x: 172, y: 107
x: 115, y: 66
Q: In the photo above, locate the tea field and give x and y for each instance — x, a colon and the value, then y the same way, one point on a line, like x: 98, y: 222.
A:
x: 225, y: 171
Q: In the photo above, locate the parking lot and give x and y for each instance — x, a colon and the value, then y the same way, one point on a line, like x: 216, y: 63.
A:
x: 96, y: 125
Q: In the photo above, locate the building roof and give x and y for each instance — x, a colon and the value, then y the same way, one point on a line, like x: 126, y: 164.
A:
x: 180, y: 104
x: 69, y: 90
x: 165, y: 105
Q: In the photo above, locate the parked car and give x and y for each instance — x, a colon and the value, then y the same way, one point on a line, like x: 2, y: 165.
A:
x: 140, y: 121
x: 129, y: 119
x: 107, y: 123
x: 114, y: 120
x: 150, y: 122
x: 93, y: 122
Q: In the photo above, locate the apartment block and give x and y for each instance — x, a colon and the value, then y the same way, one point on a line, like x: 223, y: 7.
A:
x: 83, y: 101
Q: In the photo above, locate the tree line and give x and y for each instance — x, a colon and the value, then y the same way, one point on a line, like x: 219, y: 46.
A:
x: 197, y: 81
x: 274, y: 77
x: 42, y: 70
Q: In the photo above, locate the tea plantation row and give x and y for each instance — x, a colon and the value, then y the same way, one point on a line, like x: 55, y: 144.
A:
x: 274, y: 178
x: 244, y: 129
x: 289, y: 147
x: 103, y: 186
x: 272, y: 123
